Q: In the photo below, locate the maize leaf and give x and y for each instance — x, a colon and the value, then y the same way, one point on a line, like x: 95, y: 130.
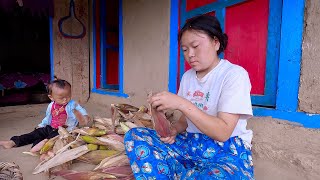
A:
x: 130, y: 124
x: 63, y: 133
x: 119, y: 130
x: 113, y: 144
x: 114, y: 136
x: 160, y: 122
x: 102, y: 147
x: 90, y: 131
x: 92, y: 147
x: 121, y: 171
x: 116, y: 145
x: 31, y: 153
x: 48, y: 145
x: 95, y: 157
x: 143, y: 109
x: 77, y: 143
x: 124, y: 127
x: 117, y: 160
x: 100, y: 126
x: 126, y: 108
x: 83, y: 175
x: 104, y: 121
x: 60, y: 143
x: 61, y: 158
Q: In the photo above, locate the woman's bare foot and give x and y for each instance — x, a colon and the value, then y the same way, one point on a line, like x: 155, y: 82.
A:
x: 7, y: 144
x: 38, y: 146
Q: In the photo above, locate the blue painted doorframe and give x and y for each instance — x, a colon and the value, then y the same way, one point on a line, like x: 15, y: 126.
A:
x: 288, y: 77
x: 268, y: 99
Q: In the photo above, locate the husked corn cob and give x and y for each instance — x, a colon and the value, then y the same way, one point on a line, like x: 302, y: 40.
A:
x: 96, y: 131
x: 95, y: 157
x: 92, y: 147
x: 48, y: 145
x: 102, y: 147
x: 90, y: 139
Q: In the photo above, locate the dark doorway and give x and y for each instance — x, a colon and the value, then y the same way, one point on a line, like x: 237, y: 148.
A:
x: 24, y: 57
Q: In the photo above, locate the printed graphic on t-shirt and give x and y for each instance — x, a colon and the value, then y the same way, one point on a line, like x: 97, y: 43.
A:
x: 199, y: 99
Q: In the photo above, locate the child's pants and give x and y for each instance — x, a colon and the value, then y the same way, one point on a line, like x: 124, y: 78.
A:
x: 35, y: 136
x: 192, y: 156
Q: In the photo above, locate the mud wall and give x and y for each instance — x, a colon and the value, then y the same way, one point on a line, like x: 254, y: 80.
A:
x: 146, y: 51
x: 71, y: 55
x: 309, y: 92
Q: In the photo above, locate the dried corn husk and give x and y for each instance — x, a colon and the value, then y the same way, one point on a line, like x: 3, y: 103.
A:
x: 113, y: 144
x: 90, y: 131
x: 100, y: 126
x: 118, y: 171
x: 160, y: 122
x: 104, y: 121
x: 115, y: 137
x: 31, y: 153
x: 84, y: 175
x: 61, y: 158
x: 60, y: 143
x: 130, y: 124
x: 119, y: 130
x: 117, y: 160
x: 102, y: 147
x: 95, y: 157
x: 48, y: 145
x: 124, y: 127
x: 63, y: 133
x: 92, y: 147
x: 126, y: 108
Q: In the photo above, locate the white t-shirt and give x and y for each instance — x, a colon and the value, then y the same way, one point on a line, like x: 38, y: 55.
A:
x: 226, y: 88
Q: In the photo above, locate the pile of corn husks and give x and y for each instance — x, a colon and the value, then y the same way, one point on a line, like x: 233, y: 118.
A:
x: 102, y: 144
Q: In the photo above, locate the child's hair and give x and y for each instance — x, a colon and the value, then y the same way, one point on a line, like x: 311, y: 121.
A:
x: 209, y: 25
x: 60, y: 83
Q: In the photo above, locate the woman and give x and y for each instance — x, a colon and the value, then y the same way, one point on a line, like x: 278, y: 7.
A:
x: 210, y: 140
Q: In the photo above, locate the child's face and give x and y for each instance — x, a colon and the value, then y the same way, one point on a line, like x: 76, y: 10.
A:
x: 60, y: 96
x: 199, y: 50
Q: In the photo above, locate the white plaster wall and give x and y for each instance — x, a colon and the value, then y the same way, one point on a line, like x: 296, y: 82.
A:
x: 146, y: 26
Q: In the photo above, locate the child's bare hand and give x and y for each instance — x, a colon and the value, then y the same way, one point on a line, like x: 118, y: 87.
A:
x: 165, y: 101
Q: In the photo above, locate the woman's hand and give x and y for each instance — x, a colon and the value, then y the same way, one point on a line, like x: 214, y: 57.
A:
x: 172, y: 138
x: 165, y: 101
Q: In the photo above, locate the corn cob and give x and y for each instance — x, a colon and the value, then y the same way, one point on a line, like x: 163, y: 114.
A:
x: 48, y: 145
x: 92, y: 147
x: 116, y: 145
x: 102, y: 147
x: 124, y: 127
x: 95, y: 157
x: 88, y: 175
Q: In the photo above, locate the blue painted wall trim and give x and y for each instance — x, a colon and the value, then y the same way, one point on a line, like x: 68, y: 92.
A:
x: 272, y: 56
x: 173, y: 56
x: 307, y: 120
x: 103, y: 57
x: 119, y: 93
x: 121, y: 60
x: 289, y: 68
x: 290, y: 55
x: 94, y: 43
x: 51, y: 49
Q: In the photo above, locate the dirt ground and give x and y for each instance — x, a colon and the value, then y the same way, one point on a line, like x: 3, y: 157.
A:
x: 281, y: 150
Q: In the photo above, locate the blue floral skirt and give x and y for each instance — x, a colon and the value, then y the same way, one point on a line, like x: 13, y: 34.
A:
x: 192, y: 156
